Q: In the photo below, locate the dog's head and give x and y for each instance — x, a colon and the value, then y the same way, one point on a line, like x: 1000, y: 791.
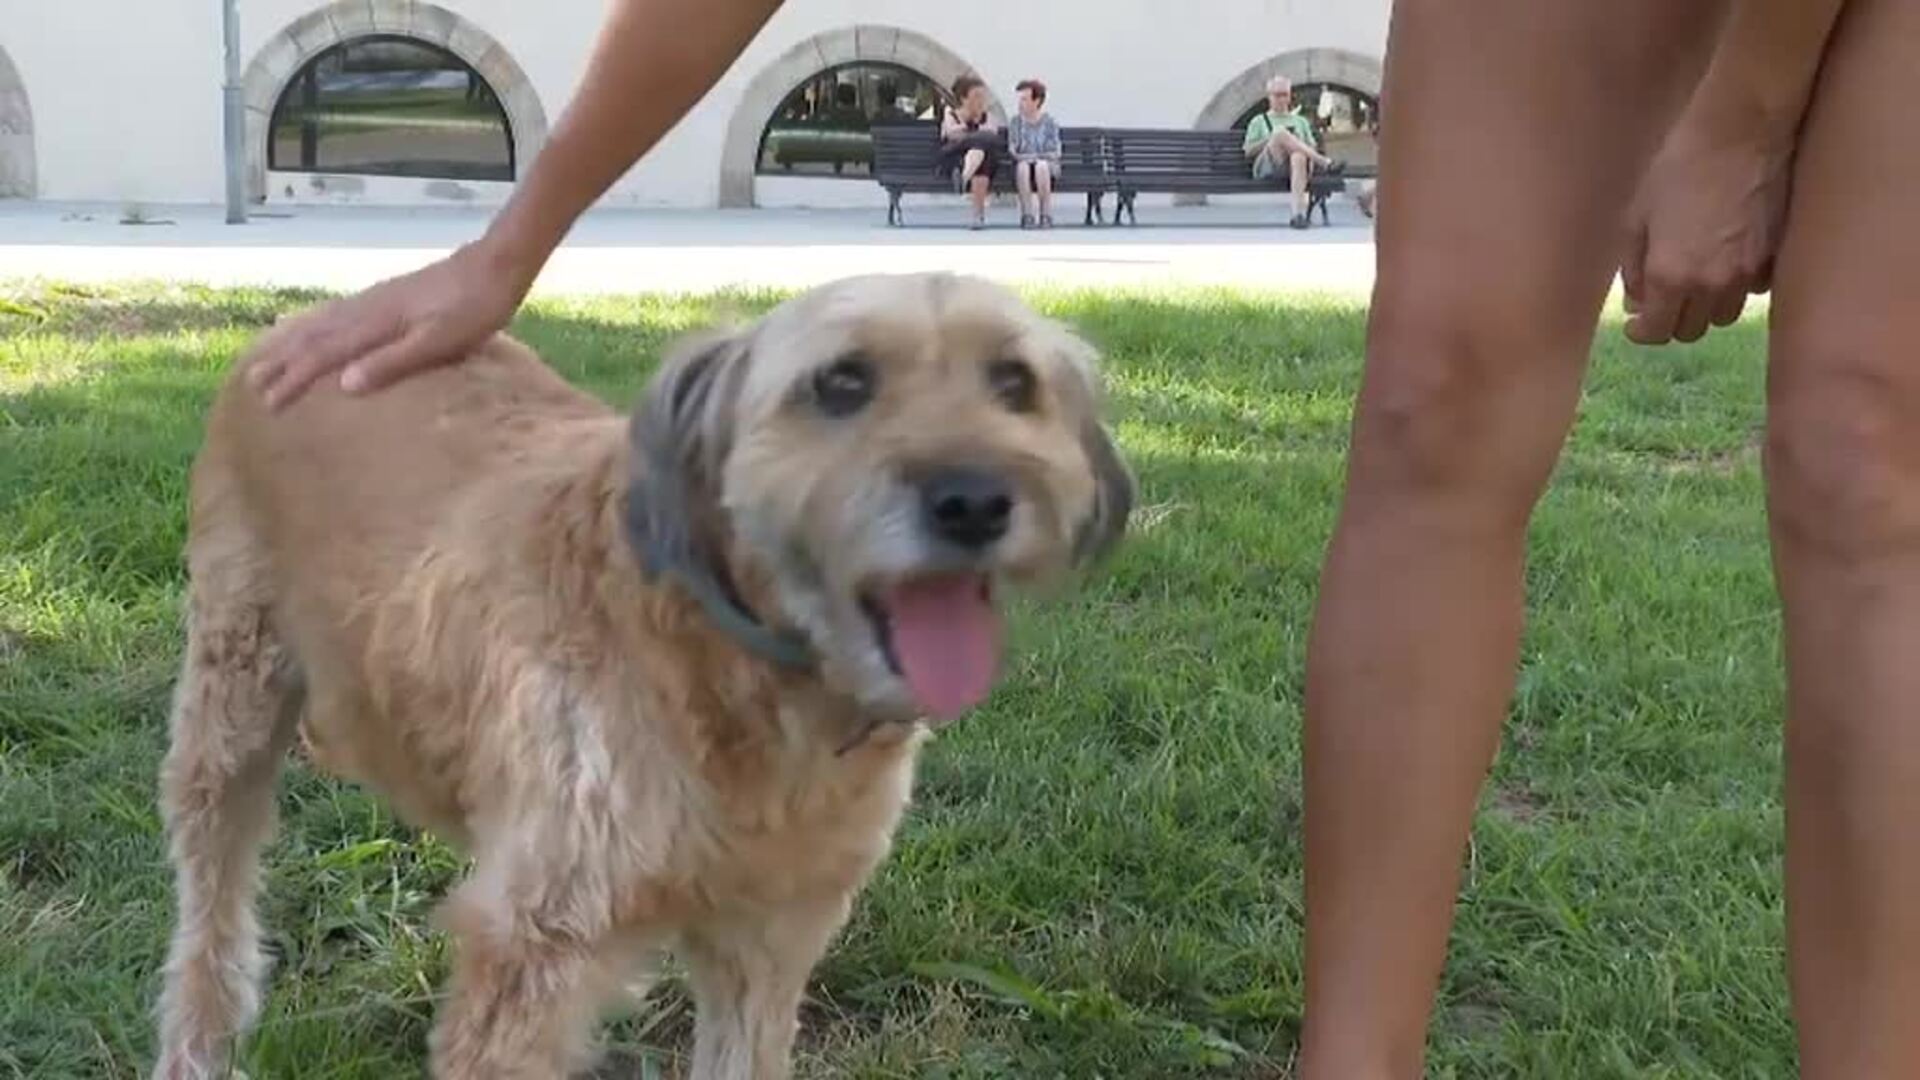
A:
x: 890, y: 453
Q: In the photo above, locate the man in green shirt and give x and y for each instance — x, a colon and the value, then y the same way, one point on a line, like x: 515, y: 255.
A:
x: 1281, y: 142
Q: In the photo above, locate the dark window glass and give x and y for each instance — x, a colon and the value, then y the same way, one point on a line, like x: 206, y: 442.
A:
x: 391, y: 106
x: 823, y: 127
x: 1348, y: 120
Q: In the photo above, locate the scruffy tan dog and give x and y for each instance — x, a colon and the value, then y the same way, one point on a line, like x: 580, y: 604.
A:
x: 664, y: 682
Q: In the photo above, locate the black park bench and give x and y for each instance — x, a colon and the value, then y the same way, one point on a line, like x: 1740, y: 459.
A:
x: 1182, y: 161
x: 906, y: 159
x: 1096, y: 161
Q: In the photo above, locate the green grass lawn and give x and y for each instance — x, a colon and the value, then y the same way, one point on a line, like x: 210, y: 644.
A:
x: 1101, y: 875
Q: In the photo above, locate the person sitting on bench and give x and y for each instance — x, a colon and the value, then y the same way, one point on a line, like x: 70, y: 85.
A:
x: 1281, y: 142
x: 971, y: 146
x: 1033, y: 138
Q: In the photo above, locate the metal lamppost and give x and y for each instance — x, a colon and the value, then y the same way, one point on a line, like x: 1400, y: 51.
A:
x: 236, y: 117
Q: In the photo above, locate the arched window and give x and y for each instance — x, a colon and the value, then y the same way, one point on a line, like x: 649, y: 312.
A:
x: 822, y: 128
x: 1347, y: 119
x: 390, y: 106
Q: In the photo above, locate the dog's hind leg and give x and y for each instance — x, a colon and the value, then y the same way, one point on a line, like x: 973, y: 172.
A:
x: 748, y: 977
x: 235, y: 711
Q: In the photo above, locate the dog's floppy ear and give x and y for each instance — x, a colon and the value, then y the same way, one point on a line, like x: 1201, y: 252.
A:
x: 1113, y: 501
x: 680, y: 435
x: 1115, y: 489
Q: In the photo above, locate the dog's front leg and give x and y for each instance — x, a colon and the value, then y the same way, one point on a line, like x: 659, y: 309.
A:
x: 748, y: 974
x: 532, y: 962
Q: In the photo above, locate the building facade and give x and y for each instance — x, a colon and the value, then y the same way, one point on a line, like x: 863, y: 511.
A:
x: 411, y: 102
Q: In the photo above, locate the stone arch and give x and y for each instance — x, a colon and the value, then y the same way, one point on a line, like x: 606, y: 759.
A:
x: 286, y: 52
x: 18, y: 179
x: 1302, y: 66
x: 877, y: 44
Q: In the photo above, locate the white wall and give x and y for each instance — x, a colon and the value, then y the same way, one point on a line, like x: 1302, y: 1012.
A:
x: 126, y: 93
x: 126, y: 96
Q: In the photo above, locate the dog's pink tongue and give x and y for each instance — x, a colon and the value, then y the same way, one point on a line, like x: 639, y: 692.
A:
x: 946, y: 636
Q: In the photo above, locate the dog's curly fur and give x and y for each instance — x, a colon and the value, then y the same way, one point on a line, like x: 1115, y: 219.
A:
x: 442, y: 587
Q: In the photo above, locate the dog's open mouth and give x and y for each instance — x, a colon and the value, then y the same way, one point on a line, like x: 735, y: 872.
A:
x: 941, y: 634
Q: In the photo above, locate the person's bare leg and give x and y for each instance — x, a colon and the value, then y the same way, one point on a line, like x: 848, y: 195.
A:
x: 1043, y: 182
x: 1023, y: 174
x: 1285, y: 146
x: 1843, y: 464
x: 1285, y: 143
x: 976, y: 183
x: 1470, y: 385
x: 1299, y: 168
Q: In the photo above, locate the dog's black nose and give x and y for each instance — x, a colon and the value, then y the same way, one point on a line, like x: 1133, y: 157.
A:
x: 967, y: 507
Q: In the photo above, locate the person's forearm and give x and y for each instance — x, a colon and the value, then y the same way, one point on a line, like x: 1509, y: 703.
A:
x: 1763, y: 72
x: 653, y: 61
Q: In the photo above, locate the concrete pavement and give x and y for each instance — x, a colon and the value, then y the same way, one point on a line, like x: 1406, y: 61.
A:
x: 611, y: 251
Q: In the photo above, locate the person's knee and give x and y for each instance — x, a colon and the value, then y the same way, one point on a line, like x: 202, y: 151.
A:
x: 1461, y: 407
x: 1843, y: 458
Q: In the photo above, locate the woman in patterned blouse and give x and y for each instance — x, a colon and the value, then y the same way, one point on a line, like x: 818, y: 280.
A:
x: 1034, y: 141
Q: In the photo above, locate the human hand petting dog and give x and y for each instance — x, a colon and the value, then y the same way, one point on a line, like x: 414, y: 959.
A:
x: 653, y: 60
x: 435, y: 315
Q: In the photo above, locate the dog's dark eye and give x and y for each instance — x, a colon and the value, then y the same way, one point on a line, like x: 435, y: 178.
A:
x: 1013, y: 384
x: 845, y: 386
